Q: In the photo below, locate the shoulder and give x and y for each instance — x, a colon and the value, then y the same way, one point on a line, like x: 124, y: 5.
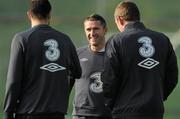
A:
x: 159, y: 35
x: 23, y: 36
x: 116, y: 38
x: 62, y: 34
x: 64, y: 38
x: 81, y: 50
x: 20, y: 37
x: 26, y: 33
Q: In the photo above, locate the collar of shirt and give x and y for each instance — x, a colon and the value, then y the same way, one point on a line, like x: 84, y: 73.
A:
x: 102, y: 50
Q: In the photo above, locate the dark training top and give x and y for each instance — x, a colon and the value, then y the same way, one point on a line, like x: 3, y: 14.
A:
x: 89, y: 100
x: 41, y: 61
x: 143, y: 72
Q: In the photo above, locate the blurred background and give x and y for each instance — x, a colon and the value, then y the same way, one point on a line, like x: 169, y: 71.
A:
x: 68, y: 16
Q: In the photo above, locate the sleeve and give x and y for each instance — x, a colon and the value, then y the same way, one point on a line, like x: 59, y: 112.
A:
x: 171, y: 77
x: 74, y: 66
x: 14, y: 77
x: 110, y: 75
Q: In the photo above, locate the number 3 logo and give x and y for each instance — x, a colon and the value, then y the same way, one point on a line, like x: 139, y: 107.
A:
x: 96, y: 85
x: 53, y: 52
x: 147, y: 50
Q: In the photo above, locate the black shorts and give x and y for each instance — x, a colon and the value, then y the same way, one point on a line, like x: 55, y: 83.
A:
x: 40, y: 116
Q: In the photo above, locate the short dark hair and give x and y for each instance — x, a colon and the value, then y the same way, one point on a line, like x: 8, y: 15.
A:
x: 40, y: 8
x: 128, y: 11
x: 96, y: 17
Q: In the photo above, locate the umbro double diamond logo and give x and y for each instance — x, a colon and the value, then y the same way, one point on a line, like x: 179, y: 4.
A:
x: 148, y: 63
x: 52, y: 67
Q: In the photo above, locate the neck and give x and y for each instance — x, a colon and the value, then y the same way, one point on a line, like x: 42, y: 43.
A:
x: 39, y: 22
x: 97, y: 48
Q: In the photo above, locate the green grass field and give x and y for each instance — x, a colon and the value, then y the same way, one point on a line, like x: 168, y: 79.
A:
x: 68, y: 15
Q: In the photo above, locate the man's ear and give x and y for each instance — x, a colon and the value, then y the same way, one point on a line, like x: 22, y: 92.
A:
x: 121, y: 20
x: 29, y: 14
x: 106, y: 30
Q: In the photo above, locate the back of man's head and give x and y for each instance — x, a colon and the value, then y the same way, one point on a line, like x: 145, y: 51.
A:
x: 40, y: 9
x: 128, y: 11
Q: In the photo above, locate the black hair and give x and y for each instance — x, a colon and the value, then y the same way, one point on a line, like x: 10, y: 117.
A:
x: 96, y: 17
x: 40, y: 8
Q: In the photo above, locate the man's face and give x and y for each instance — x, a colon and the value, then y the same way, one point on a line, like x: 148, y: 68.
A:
x: 95, y: 32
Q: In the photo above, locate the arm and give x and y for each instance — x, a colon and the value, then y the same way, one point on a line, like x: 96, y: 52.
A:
x: 74, y: 67
x: 171, y: 77
x: 14, y: 77
x: 71, y: 83
x: 111, y: 74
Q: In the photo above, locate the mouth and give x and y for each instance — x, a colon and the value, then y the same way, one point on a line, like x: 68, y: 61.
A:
x: 93, y: 38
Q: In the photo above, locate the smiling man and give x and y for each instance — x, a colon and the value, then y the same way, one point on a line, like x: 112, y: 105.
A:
x: 89, y: 101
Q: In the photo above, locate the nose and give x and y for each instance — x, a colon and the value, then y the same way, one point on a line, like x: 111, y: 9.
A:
x: 92, y: 32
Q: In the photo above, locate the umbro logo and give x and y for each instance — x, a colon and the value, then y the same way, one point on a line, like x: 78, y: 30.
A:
x: 148, y: 63
x: 52, y: 67
x: 83, y: 59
